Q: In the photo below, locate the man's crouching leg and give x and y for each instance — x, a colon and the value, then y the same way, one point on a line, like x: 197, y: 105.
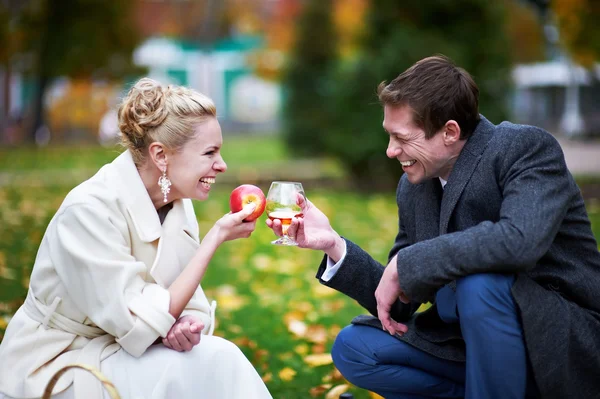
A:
x: 497, y: 365
x: 372, y: 359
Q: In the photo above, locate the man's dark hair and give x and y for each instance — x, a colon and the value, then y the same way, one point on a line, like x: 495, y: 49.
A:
x: 437, y: 91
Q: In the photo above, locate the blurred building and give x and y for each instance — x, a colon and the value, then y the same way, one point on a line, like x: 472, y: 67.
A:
x: 223, y: 71
x: 559, y: 97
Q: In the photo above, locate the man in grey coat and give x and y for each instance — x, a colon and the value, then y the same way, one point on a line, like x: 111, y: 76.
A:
x: 493, y: 232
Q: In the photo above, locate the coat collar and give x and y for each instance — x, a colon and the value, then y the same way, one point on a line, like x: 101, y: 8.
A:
x: 132, y: 192
x: 463, y: 169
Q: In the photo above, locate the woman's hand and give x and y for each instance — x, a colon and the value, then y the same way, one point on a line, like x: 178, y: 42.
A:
x: 231, y: 226
x: 185, y: 334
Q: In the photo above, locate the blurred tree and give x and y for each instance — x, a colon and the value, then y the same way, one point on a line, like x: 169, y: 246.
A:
x: 307, y: 79
x: 11, y: 37
x: 76, y: 38
x: 579, y: 30
x: 200, y: 21
x: 280, y: 20
x: 397, y: 34
x: 525, y: 32
x: 279, y: 23
x: 349, y: 19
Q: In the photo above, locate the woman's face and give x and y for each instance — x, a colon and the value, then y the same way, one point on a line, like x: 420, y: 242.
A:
x: 192, y: 169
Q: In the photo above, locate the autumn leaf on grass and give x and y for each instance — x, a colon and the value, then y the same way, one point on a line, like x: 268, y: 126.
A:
x: 316, y: 334
x: 301, y: 349
x: 322, y: 291
x: 285, y: 356
x: 262, y: 262
x: 5, y: 272
x: 287, y: 374
x: 228, y: 299
x: 303, y: 306
x: 267, y: 377
x: 244, y: 342
x: 336, y: 391
x: 319, y: 390
x: 318, y: 348
x: 335, y: 375
x: 295, y: 324
x: 317, y: 360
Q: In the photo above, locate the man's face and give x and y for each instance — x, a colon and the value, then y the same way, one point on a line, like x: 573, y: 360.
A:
x: 421, y: 158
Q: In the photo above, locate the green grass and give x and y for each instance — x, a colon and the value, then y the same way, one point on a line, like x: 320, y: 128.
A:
x: 242, y: 150
x: 237, y: 150
x: 250, y: 159
x: 260, y: 288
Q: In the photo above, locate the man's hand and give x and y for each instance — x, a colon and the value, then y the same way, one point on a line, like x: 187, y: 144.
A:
x: 184, y: 335
x: 312, y: 230
x: 387, y: 292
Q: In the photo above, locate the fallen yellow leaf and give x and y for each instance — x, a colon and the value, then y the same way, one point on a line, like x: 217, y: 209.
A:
x: 267, y: 377
x: 319, y: 390
x: 287, y: 374
x: 318, y: 360
x: 262, y: 262
x: 228, y: 299
x: 294, y: 315
x: 335, y: 375
x: 285, y: 356
x: 322, y: 291
x: 337, y: 391
x: 244, y: 341
x: 317, y: 334
x: 301, y: 349
x: 318, y: 348
x: 298, y: 328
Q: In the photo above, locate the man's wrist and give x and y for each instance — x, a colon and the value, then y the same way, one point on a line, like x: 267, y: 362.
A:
x: 336, y: 251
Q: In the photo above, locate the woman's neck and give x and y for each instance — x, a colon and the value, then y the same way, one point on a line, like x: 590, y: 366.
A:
x: 150, y: 176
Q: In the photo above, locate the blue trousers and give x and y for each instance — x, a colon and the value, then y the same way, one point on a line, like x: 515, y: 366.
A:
x: 496, y: 362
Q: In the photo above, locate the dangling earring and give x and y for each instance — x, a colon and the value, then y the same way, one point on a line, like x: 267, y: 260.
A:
x: 165, y: 184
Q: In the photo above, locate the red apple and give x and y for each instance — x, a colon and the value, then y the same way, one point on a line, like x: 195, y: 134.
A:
x: 247, y: 194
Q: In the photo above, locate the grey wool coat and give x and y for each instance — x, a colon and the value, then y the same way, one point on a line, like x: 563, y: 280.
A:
x: 510, y: 206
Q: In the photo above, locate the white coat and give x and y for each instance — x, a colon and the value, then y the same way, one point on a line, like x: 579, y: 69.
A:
x: 99, y: 283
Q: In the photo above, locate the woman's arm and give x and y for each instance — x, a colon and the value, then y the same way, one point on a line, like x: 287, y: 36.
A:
x: 229, y: 227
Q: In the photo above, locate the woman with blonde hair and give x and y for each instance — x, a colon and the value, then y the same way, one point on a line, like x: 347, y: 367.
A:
x: 115, y: 284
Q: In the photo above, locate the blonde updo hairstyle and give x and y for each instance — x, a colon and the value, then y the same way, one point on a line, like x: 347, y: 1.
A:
x: 153, y: 113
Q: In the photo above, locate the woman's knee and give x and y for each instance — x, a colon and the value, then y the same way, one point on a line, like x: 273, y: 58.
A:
x: 217, y: 348
x: 483, y: 294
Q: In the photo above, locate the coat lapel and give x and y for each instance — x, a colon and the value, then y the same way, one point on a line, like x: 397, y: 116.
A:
x: 427, y: 217
x: 175, y: 247
x: 463, y: 170
x: 166, y: 249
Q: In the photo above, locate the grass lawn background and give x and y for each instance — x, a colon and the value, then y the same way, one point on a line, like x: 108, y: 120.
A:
x: 269, y: 302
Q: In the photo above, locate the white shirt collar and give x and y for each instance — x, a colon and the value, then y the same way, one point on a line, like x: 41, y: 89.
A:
x: 443, y: 182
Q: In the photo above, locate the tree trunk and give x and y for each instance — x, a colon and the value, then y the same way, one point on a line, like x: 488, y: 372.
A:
x: 4, y: 121
x: 39, y: 113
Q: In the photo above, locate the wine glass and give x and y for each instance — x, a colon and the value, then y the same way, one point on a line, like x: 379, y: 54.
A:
x: 281, y: 204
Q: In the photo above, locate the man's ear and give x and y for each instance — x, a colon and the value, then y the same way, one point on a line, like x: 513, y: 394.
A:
x: 158, y: 155
x: 451, y: 132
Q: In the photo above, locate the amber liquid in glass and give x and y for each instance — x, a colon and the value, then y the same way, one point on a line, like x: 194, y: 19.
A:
x: 285, y: 216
